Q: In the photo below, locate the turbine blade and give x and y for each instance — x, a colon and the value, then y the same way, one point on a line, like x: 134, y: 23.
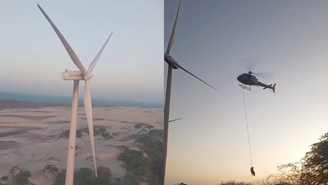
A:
x: 95, y: 60
x: 194, y: 75
x: 169, y: 46
x: 88, y: 110
x: 174, y: 120
x: 68, y: 48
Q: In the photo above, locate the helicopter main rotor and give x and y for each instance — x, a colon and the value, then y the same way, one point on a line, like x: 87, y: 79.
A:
x: 262, y: 75
x: 251, y: 64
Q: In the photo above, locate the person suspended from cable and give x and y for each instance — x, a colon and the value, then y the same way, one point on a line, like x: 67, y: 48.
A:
x: 252, y: 171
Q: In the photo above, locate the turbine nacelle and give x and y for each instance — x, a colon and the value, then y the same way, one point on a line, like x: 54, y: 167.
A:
x: 75, y: 75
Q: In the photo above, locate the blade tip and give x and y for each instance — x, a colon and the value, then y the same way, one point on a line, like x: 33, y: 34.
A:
x: 39, y: 7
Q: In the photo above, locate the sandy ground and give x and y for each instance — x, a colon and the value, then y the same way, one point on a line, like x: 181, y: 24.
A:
x: 29, y: 135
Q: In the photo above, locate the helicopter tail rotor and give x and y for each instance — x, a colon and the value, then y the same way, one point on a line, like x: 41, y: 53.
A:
x: 273, y: 88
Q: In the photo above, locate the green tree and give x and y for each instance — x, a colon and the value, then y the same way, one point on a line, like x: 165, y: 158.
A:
x: 49, y: 169
x: 19, y: 176
x: 23, y: 177
x: 104, y: 176
x: 4, y: 178
x: 130, y: 179
x: 86, y: 176
x: 146, y: 164
x: 157, y: 167
x: 60, y: 178
x: 133, y: 159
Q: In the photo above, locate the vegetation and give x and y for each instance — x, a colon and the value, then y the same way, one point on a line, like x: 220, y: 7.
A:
x: 115, y: 134
x: 23, y: 178
x: 17, y: 176
x: 146, y: 164
x: 97, y: 131
x: 139, y: 125
x: 143, y: 165
x: 90, y: 158
x: 49, y: 169
x: 4, y: 178
x: 142, y: 125
x: 312, y: 169
x: 86, y: 176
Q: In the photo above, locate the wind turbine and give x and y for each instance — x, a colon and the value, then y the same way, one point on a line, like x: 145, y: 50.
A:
x: 172, y: 64
x: 76, y: 76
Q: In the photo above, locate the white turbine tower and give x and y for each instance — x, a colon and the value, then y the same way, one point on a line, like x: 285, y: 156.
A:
x: 76, y: 76
x: 172, y: 64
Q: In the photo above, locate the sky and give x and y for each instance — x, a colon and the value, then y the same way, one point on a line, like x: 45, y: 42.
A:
x: 131, y: 67
x: 216, y: 40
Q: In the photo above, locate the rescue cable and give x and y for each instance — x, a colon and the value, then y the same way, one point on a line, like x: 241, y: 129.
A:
x: 249, y: 141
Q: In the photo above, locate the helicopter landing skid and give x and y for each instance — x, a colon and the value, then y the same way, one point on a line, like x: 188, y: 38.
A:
x: 245, y: 87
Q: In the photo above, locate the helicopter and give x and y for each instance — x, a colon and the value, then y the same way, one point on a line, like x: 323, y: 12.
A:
x: 250, y: 80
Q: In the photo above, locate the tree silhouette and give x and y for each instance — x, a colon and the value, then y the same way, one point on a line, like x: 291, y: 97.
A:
x: 315, y: 163
x: 289, y: 174
x: 311, y: 170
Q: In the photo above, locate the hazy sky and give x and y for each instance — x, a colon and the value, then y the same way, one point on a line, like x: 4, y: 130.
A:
x: 131, y: 67
x: 213, y: 40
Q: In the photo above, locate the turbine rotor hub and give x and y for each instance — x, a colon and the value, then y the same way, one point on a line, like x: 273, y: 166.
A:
x: 166, y: 57
x: 88, y: 77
